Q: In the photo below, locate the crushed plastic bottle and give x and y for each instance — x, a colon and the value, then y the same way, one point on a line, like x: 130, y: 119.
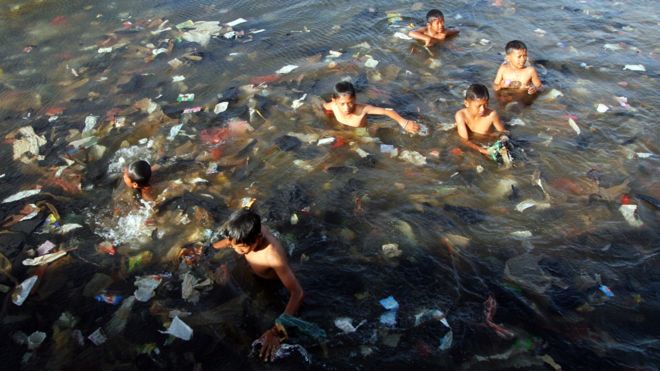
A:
x: 109, y: 298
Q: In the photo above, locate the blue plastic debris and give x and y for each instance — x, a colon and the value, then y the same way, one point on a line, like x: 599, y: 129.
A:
x: 606, y: 290
x: 388, y: 318
x: 389, y: 303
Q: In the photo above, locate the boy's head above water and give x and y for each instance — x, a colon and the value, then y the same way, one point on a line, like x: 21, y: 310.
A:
x: 516, y: 53
x: 476, y: 100
x: 344, y: 96
x: 243, y: 229
x: 435, y: 18
x: 137, y: 174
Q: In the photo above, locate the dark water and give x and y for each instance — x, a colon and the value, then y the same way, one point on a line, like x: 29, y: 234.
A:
x: 461, y: 234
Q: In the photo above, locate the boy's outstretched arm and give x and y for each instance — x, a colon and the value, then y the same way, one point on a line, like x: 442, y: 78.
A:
x: 407, y: 125
x: 497, y: 83
x: 418, y: 34
x: 452, y: 32
x: 499, y: 126
x: 465, y: 137
x: 536, y: 83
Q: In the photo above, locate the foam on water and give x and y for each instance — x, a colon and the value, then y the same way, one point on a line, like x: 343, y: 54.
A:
x: 131, y: 228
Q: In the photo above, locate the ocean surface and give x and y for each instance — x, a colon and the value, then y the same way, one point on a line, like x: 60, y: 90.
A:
x: 550, y: 263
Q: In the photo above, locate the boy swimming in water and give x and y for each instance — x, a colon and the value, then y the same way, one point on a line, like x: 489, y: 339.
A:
x: 434, y: 30
x: 344, y: 108
x: 137, y: 176
x: 245, y: 234
x: 514, y: 73
x: 476, y: 119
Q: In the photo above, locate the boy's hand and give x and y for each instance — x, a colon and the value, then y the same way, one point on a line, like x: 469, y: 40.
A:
x: 485, y: 152
x: 411, y: 126
x: 531, y: 90
x: 270, y: 345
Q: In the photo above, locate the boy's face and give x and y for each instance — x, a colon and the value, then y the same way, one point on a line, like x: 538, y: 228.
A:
x: 517, y: 58
x: 477, y: 107
x: 437, y: 24
x: 128, y: 181
x: 346, y: 103
x: 243, y: 248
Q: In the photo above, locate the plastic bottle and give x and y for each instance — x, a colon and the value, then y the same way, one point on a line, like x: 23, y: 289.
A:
x: 108, y: 298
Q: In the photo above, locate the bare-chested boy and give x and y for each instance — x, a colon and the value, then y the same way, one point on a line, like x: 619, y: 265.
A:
x: 514, y: 72
x: 347, y: 111
x: 476, y: 119
x: 245, y: 234
x: 434, y: 30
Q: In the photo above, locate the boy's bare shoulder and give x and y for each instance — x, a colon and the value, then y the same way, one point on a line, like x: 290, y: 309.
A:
x: 460, y: 113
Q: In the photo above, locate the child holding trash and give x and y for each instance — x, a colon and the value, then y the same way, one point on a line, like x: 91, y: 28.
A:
x: 476, y: 118
x: 347, y: 112
x: 137, y: 176
x: 434, y: 30
x: 514, y: 72
x: 245, y: 234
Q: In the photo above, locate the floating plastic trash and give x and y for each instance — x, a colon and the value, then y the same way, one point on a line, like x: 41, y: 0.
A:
x: 192, y: 109
x: 526, y: 204
x: 430, y: 315
x: 402, y: 36
x: 574, y: 125
x: 362, y: 153
x: 638, y: 154
x: 324, y: 141
x: 105, y: 50
x: 606, y: 290
x: 97, y: 337
x: 634, y: 67
x: 35, y: 339
x: 286, y: 69
x: 413, y: 157
x: 484, y: 42
x: 423, y: 130
x: 109, y: 298
x: 551, y: 95
x: 186, y: 97
x: 602, y: 108
x: 22, y: 291
x: 389, y: 303
x: 45, y: 248
x: 298, y: 102
x: 517, y: 122
x: 371, y: 63
x: 220, y: 107
x: 146, y: 286
x: 388, y: 318
x: 446, y: 341
x: 346, y: 324
x: 174, y: 131
x: 521, y: 234
x: 629, y: 213
x: 179, y: 329
x: 334, y: 54
x: 66, y: 228
x: 178, y: 78
x: 304, y: 327
x: 21, y: 195
x: 236, y: 22
x: 391, y: 250
x: 45, y: 259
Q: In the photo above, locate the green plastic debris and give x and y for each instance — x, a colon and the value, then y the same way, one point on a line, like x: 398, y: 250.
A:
x: 306, y: 328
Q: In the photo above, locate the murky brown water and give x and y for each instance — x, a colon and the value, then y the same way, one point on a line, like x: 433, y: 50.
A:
x: 537, y: 237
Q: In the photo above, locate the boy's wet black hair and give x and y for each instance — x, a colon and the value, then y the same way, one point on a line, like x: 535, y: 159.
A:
x: 515, y: 45
x: 343, y: 88
x: 243, y: 227
x: 477, y: 91
x: 433, y: 14
x: 140, y: 172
